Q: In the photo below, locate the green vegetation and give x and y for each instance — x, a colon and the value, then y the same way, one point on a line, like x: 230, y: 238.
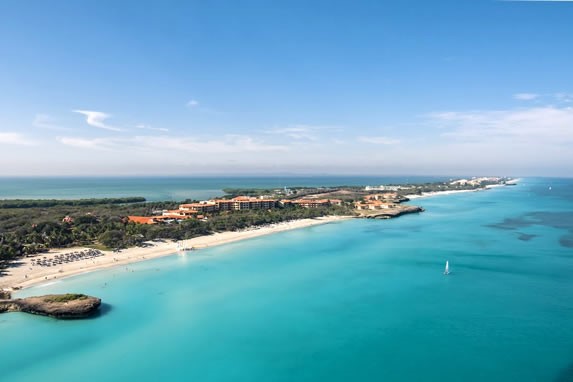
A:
x: 232, y: 192
x: 65, y: 297
x: 436, y: 187
x: 27, y: 231
x: 294, y: 192
x: 25, y: 203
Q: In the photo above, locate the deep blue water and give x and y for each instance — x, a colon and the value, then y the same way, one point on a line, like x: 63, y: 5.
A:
x: 359, y: 300
x: 174, y: 188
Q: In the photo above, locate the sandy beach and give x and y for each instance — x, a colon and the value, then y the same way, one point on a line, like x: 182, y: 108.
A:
x: 437, y: 193
x: 26, y: 274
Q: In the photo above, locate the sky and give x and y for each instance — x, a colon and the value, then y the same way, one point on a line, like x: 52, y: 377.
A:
x: 444, y: 87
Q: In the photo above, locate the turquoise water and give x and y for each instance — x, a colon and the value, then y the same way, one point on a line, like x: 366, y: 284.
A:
x: 174, y: 188
x: 359, y: 300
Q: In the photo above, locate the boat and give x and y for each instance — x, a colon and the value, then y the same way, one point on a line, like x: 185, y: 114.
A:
x: 447, y: 269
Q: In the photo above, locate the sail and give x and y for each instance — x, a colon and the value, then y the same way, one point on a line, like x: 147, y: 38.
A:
x: 447, y: 270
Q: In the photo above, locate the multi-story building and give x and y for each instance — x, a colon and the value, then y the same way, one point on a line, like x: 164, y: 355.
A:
x: 204, y: 206
x: 373, y: 205
x: 245, y: 203
x: 311, y: 203
x: 383, y: 196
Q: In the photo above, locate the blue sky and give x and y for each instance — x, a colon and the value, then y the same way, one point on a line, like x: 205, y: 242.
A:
x: 302, y: 87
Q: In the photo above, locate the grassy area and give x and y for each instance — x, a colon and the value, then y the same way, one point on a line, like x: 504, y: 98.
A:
x: 66, y: 297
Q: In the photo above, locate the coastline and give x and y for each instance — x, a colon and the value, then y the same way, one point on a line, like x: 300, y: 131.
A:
x: 25, y: 275
x: 438, y: 193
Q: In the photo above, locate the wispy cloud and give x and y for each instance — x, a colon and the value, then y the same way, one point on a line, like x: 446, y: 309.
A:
x: 525, y: 96
x: 145, y: 127
x: 564, y: 97
x: 534, y: 125
x: 167, y: 144
x: 44, y: 121
x: 298, y: 132
x: 378, y: 140
x: 10, y: 138
x: 96, y: 119
x: 228, y: 144
x: 86, y: 143
x: 302, y: 132
x: 193, y: 103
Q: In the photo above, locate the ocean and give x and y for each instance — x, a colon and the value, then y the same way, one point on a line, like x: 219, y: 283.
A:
x: 358, y: 300
x: 176, y: 188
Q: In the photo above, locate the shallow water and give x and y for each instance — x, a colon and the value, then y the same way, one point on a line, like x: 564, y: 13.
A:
x: 356, y: 300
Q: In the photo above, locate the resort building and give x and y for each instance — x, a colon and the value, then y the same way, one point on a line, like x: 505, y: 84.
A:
x: 382, y: 196
x: 244, y: 203
x: 205, y: 206
x: 373, y: 205
x: 240, y: 203
x: 142, y: 219
x: 311, y: 203
x: 179, y: 213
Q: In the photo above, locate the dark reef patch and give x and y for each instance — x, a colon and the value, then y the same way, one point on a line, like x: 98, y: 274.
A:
x: 566, y: 241
x: 558, y: 220
x: 525, y: 236
x: 566, y: 375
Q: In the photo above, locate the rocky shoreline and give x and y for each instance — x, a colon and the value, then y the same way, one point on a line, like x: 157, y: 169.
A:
x: 390, y: 213
x: 61, y: 306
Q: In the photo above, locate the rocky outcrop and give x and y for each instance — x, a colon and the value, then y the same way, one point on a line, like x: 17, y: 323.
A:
x: 5, y: 295
x: 388, y: 213
x: 62, y: 306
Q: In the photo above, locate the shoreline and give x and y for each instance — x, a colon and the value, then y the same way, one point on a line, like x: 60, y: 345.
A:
x: 25, y: 275
x: 450, y: 192
x: 439, y: 193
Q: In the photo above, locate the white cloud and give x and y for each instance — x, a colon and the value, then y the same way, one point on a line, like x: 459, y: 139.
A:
x: 85, y: 143
x: 526, y: 96
x: 193, y: 103
x: 229, y: 144
x: 526, y: 125
x: 44, y: 121
x: 145, y: 127
x: 96, y: 119
x: 166, y: 144
x: 564, y: 97
x: 298, y: 132
x: 378, y: 140
x: 10, y: 138
x: 302, y: 132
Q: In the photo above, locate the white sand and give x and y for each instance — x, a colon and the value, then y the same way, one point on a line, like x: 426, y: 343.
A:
x: 437, y: 193
x: 26, y: 274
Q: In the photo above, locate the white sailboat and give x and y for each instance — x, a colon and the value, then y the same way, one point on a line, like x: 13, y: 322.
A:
x: 447, y: 269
